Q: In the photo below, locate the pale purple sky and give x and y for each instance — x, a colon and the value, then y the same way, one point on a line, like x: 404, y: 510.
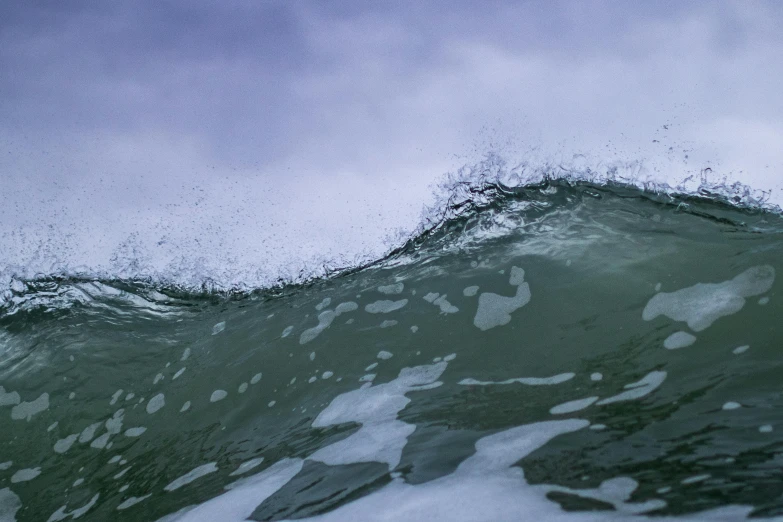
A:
x: 278, y: 134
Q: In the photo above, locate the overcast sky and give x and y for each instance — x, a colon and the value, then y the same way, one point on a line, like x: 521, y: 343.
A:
x: 282, y: 131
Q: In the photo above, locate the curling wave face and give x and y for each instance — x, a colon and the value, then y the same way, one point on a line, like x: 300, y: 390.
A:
x: 564, y: 350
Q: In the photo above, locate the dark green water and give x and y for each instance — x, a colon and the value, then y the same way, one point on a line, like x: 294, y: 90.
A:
x: 584, y: 335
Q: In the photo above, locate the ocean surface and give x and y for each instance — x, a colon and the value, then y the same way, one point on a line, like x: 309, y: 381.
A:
x: 563, y: 350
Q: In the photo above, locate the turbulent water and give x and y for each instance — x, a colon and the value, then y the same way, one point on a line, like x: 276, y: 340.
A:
x: 559, y: 351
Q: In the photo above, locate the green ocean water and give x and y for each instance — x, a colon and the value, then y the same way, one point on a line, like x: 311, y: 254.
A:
x: 561, y: 350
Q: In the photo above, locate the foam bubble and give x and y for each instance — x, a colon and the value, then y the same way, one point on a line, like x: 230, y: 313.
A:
x: 529, y: 381
x: 740, y: 349
x: 185, y: 354
x: 255, y: 378
x: 27, y: 410
x: 445, y: 306
x: 24, y: 475
x: 247, y: 466
x: 61, y: 514
x: 695, y: 479
x: 9, y: 398
x: 765, y: 428
x: 325, y: 319
x: 88, y: 433
x: 218, y: 328
x: 132, y: 501
x: 323, y: 304
x: 159, y: 377
x: 101, y: 441
x: 135, y: 432
x: 156, y: 403
x: 387, y: 323
x: 392, y: 289
x: 327, y: 375
x: 63, y: 445
x: 6, y: 465
x: 218, y: 395
x: 185, y: 407
x: 470, y: 291
x: 371, y: 367
x: 191, y: 476
x: 704, y: 303
x: 9, y: 505
x: 384, y: 306
x: 382, y: 436
x: 384, y: 355
x: 636, y: 390
x: 179, y: 372
x: 572, y: 406
x: 287, y: 331
x: 731, y: 405
x: 678, y: 340
x: 596, y: 376
x: 495, y: 310
x: 242, y: 388
x: 115, y: 397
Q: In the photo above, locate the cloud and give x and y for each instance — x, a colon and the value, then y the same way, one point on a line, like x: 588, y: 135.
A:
x: 319, y: 129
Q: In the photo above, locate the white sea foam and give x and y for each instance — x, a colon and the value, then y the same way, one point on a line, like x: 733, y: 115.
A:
x: 10, y: 504
x: 218, y: 395
x: 192, y: 475
x: 219, y: 327
x: 132, y: 501
x: 636, y: 390
x: 64, y: 444
x: 385, y: 306
x: 470, y: 291
x: 62, y: 514
x: 704, y: 303
x: 27, y: 410
x: 679, y: 340
x: 495, y: 310
x: 88, y: 433
x: 156, y: 403
x: 392, y: 289
x: 325, y: 319
x: 529, y: 381
x: 24, y: 475
x: 440, y: 301
x: 572, y: 406
x: 9, y: 398
x: 247, y: 466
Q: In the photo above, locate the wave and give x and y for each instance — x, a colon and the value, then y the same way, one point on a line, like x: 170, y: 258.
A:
x: 466, y: 199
